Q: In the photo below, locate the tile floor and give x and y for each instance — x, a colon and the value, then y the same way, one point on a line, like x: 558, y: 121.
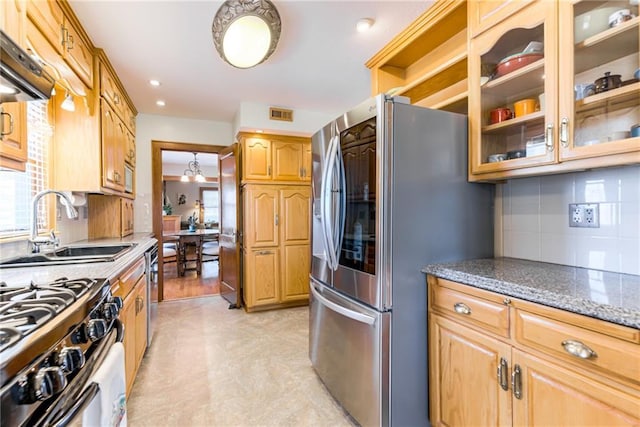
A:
x: 211, y: 366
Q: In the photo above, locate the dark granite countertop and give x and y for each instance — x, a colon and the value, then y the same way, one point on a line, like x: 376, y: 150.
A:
x: 604, y: 295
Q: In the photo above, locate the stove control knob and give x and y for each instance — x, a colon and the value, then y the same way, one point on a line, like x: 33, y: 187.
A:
x: 97, y: 329
x: 71, y: 359
x: 48, y: 381
x: 117, y: 301
x: 80, y: 335
x: 110, y: 310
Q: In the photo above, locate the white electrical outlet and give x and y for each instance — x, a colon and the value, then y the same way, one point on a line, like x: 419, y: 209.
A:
x: 584, y: 215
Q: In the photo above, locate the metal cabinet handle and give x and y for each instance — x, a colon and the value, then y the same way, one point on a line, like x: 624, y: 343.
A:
x: 503, y: 374
x: 516, y: 382
x: 461, y: 308
x: 116, y: 98
x: 116, y: 177
x: 265, y: 252
x: 578, y: 349
x: 564, y: 132
x: 2, y: 132
x: 269, y: 170
x: 277, y: 220
x: 301, y: 172
x: 70, y: 41
x: 549, y: 137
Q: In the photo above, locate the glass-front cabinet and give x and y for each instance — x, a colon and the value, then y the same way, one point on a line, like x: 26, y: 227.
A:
x: 599, y: 96
x: 552, y: 89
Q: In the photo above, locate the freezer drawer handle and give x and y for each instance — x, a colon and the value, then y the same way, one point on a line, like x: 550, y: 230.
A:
x: 363, y: 318
x: 461, y: 308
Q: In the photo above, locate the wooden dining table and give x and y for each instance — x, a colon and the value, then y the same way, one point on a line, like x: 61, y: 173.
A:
x: 186, y: 237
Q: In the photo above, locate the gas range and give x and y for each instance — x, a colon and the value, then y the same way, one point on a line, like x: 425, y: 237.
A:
x: 52, y: 337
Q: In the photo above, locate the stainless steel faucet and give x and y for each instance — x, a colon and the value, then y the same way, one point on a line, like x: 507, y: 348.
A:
x: 34, y: 240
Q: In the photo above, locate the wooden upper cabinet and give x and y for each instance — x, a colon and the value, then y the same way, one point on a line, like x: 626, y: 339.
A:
x: 58, y: 25
x: 113, y: 139
x: 13, y: 20
x: 257, y: 159
x: 13, y: 135
x: 484, y: 14
x: 275, y: 158
x: 427, y: 61
x: 287, y: 161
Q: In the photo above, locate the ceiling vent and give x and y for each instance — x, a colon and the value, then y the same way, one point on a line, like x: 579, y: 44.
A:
x: 280, y: 114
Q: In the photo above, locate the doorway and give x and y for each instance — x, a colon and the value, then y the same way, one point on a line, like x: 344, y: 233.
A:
x: 170, y: 193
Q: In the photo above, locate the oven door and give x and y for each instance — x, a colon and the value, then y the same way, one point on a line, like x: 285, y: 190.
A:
x: 103, y: 376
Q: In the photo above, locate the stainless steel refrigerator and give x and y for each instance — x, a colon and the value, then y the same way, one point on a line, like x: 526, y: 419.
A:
x: 390, y: 194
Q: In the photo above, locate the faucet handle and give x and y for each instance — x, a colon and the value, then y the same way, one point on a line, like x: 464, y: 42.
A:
x: 53, y: 239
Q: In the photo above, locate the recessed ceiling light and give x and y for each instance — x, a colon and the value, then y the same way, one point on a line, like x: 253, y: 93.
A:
x: 364, y: 24
x: 160, y: 103
x: 259, y: 131
x: 154, y: 82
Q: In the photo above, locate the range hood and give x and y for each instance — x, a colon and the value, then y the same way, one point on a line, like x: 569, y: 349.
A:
x: 21, y: 77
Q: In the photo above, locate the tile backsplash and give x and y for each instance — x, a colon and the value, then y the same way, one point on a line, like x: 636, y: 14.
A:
x: 535, y: 219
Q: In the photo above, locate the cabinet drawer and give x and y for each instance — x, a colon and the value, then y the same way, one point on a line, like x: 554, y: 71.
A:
x: 470, y: 309
x: 584, y: 348
x: 130, y: 277
x: 111, y: 92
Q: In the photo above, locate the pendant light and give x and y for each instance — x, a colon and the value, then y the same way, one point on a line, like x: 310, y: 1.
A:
x: 193, y: 170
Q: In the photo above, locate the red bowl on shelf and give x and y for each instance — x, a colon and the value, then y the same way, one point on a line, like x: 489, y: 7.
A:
x: 515, y: 62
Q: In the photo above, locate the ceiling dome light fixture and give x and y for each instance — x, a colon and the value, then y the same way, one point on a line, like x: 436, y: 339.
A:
x: 246, y: 32
x: 193, y: 170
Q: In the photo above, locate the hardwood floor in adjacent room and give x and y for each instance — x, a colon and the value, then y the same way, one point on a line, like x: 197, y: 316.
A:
x: 191, y: 285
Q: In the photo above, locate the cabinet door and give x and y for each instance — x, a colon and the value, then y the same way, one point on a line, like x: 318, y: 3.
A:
x: 130, y: 148
x: 113, y: 137
x: 140, y: 319
x: 126, y: 215
x: 262, y: 277
x: 49, y: 18
x: 13, y: 131
x: 596, y: 121
x: 306, y: 162
x: 261, y: 216
x: 549, y: 390
x: 484, y: 14
x: 287, y: 161
x: 257, y: 159
x: 295, y: 209
x: 13, y: 19
x: 295, y: 272
x: 128, y: 317
x: 528, y: 138
x: 465, y: 386
x: 78, y: 53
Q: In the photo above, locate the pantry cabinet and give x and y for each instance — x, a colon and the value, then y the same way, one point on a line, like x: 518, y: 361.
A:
x: 276, y: 245
x: 499, y: 361
x: 566, y: 131
x: 275, y: 158
x: 13, y: 135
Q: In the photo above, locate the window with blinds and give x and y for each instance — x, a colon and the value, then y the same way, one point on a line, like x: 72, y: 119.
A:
x: 18, y: 188
x: 209, y: 205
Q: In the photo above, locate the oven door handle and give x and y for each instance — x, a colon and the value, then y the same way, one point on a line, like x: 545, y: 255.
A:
x: 83, y: 400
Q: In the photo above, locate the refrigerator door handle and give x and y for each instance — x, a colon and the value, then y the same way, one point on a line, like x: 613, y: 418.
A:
x: 326, y: 217
x: 354, y: 315
x: 342, y: 208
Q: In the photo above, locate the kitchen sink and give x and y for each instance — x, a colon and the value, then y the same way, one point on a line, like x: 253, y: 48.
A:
x: 72, y: 254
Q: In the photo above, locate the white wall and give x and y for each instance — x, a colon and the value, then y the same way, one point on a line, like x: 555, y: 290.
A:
x: 168, y: 129
x: 535, y: 219
x: 252, y: 116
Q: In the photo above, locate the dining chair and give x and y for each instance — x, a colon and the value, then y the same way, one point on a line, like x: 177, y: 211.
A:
x: 211, y: 250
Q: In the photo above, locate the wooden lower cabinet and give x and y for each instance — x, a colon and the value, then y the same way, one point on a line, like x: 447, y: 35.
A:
x: 132, y: 288
x: 463, y: 386
x: 262, y: 277
x: 523, y: 376
x: 295, y: 273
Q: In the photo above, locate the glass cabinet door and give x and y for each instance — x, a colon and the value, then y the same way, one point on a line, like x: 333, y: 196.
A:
x: 599, y: 94
x: 512, y: 110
